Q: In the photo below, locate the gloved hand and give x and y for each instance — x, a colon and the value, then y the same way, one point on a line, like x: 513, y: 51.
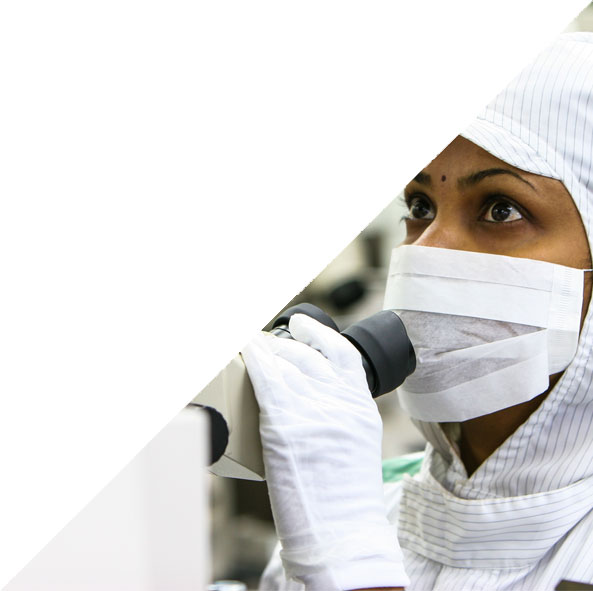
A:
x: 321, y: 436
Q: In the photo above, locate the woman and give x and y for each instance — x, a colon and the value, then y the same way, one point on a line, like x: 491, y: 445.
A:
x: 494, y: 287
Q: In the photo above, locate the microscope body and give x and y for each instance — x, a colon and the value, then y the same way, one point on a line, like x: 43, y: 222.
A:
x: 387, y: 358
x: 231, y: 394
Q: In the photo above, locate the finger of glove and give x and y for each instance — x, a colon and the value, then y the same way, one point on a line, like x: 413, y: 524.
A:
x: 309, y: 362
x: 326, y: 378
x: 272, y: 376
x: 330, y: 343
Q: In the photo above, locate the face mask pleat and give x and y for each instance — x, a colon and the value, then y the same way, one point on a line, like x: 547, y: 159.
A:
x: 463, y: 343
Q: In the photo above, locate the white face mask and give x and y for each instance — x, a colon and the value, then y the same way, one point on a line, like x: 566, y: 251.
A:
x: 488, y: 330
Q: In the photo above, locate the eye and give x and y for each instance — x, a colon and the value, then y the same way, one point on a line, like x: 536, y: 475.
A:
x: 419, y: 208
x: 501, y: 210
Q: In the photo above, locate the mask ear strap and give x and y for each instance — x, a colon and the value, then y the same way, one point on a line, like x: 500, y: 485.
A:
x: 587, y: 270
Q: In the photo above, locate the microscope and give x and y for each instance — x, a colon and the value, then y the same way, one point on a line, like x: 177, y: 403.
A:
x: 388, y: 358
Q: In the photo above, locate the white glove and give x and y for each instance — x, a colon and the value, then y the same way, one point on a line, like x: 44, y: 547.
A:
x: 321, y: 435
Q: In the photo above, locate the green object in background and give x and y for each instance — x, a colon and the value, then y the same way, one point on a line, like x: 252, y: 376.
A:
x: 395, y: 468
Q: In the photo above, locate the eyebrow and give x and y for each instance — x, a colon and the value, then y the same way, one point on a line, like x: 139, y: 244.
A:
x: 424, y: 179
x: 476, y: 177
x: 472, y: 179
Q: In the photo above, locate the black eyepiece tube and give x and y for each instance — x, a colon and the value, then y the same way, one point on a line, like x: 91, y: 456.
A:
x: 387, y: 354
x: 280, y: 324
x: 386, y: 349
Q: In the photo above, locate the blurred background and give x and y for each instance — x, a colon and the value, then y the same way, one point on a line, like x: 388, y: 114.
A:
x: 350, y: 288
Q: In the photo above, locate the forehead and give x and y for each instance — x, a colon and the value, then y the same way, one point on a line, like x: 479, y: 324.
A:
x: 462, y: 157
x: 464, y: 165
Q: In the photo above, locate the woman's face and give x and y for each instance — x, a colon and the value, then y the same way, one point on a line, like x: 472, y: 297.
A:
x: 467, y: 199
